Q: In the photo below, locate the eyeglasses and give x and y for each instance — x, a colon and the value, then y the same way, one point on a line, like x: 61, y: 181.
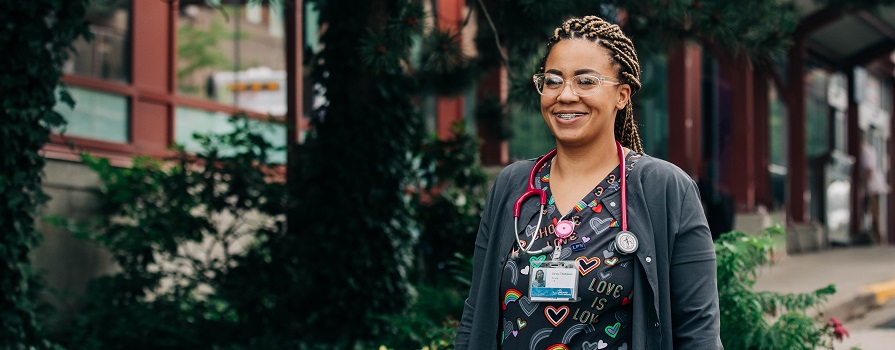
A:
x: 582, y: 85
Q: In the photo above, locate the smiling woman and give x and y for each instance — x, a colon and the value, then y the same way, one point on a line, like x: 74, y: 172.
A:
x: 654, y: 274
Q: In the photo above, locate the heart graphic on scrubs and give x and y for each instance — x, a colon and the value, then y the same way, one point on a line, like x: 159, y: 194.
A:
x: 536, y: 261
x: 524, y: 270
x: 556, y: 314
x: 607, y: 254
x: 600, y: 225
x: 625, y: 264
x: 623, y: 347
x: 549, y: 209
x: 530, y: 229
x: 612, y: 331
x: 585, y: 239
x: 527, y: 306
x: 507, y: 328
x: 589, y: 346
x: 613, y: 187
x: 521, y: 323
x: 595, y: 346
x: 604, y: 275
x: 611, y: 261
x: 515, y: 333
x: 586, y: 265
x: 565, y: 253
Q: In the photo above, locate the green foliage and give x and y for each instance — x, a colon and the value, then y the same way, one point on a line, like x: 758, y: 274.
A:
x: 428, y: 321
x: 444, y: 67
x: 355, y: 174
x: 451, y: 194
x: 36, y: 37
x: 752, y: 320
x: 451, y: 190
x: 176, y: 230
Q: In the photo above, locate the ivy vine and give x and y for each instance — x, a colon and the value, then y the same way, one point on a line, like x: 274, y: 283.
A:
x: 36, y: 39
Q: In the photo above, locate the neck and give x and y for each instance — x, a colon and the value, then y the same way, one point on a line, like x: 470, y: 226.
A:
x: 595, y: 159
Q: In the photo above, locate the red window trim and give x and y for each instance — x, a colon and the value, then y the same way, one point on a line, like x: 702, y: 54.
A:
x: 70, y: 148
x: 130, y: 91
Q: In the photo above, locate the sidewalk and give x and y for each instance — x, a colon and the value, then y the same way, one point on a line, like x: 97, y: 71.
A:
x: 864, y: 278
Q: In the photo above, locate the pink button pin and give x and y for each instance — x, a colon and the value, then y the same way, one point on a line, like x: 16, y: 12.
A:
x: 564, y: 229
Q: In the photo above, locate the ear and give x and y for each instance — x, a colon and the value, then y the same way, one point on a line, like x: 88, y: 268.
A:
x: 624, y: 95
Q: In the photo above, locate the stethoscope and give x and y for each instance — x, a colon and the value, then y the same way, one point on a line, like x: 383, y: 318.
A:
x: 625, y: 241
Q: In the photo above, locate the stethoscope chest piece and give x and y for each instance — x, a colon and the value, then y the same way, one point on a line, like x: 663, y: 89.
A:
x: 626, y: 242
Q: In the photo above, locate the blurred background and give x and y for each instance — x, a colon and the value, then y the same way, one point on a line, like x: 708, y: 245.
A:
x: 375, y: 127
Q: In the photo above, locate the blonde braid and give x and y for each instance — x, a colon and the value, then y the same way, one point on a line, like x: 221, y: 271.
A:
x: 623, y: 55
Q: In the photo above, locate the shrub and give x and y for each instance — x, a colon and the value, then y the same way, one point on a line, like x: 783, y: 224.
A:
x: 175, y: 229
x: 757, y: 320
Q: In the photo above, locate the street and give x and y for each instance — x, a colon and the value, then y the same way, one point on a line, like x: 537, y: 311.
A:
x: 875, y: 330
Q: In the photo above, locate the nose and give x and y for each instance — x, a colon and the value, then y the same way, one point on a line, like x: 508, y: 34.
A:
x: 567, y: 94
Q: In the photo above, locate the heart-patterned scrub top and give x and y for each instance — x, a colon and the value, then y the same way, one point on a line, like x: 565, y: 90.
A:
x: 601, y: 318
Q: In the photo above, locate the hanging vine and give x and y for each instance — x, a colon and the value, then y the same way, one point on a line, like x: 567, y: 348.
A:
x: 35, y: 39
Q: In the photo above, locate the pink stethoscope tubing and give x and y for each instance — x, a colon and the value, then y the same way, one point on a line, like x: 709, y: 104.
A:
x: 532, y: 191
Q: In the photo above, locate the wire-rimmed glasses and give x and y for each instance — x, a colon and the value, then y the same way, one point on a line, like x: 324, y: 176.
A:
x: 582, y: 85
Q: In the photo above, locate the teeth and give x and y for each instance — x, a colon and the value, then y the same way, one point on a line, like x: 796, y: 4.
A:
x: 568, y: 116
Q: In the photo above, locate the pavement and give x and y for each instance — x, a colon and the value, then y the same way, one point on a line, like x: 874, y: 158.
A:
x: 864, y: 277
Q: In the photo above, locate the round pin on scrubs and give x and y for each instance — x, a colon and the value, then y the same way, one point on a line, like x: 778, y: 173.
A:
x: 626, y: 242
x: 564, y: 229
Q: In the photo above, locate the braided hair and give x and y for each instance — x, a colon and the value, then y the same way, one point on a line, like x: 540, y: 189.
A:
x: 624, y: 57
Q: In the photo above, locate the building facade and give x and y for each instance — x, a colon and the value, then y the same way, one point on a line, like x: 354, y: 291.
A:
x: 779, y: 139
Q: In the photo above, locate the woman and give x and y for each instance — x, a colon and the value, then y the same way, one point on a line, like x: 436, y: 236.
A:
x: 632, y: 239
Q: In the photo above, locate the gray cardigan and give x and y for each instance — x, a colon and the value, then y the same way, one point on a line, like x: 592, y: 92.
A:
x: 676, y: 294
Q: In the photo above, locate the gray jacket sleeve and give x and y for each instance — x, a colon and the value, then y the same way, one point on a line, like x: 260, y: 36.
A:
x: 481, y: 246
x: 694, y: 291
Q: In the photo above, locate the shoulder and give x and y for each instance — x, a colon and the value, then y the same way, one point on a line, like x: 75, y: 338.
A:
x: 652, y: 172
x: 655, y: 168
x: 515, y: 172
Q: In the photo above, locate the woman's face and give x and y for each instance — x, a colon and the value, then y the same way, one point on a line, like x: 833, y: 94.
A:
x: 585, y: 119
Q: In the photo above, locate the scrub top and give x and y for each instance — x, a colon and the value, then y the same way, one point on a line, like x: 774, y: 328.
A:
x: 601, y: 316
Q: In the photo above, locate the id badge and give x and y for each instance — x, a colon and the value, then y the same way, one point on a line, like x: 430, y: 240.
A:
x: 554, y: 281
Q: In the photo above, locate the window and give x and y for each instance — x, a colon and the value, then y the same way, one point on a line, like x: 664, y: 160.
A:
x: 189, y: 121
x: 97, y: 115
x: 233, y: 54
x: 107, y: 56
x: 817, y: 112
x: 652, y: 107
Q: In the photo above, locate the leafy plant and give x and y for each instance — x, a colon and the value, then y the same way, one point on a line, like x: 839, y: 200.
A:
x: 36, y: 39
x: 354, y: 171
x: 753, y: 320
x: 428, y: 322
x: 450, y: 194
x: 176, y: 229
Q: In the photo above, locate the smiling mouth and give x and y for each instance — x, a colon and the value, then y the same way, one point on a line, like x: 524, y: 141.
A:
x: 568, y: 116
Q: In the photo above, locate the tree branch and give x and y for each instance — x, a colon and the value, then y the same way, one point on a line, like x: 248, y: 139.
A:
x: 503, y: 55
